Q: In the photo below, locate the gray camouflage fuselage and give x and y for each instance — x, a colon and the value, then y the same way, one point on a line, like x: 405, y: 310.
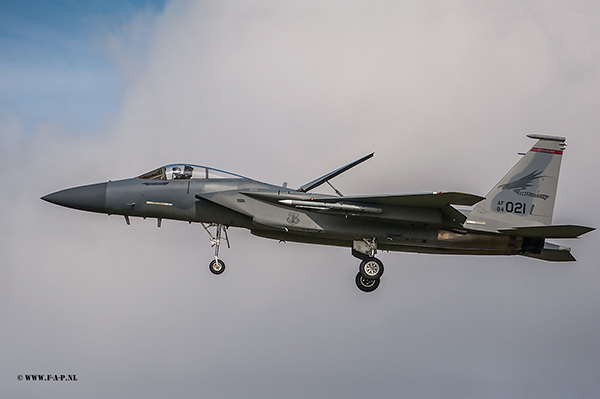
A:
x: 396, y: 228
x: 514, y: 218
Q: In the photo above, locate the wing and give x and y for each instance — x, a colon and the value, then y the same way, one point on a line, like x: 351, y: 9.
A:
x: 427, y: 200
x: 432, y: 208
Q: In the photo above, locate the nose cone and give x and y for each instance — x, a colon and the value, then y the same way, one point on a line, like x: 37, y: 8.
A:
x: 86, y: 198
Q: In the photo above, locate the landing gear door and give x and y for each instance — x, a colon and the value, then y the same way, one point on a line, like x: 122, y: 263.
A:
x: 360, y: 249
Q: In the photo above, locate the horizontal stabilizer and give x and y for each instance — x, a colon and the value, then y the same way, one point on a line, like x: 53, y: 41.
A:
x: 553, y: 253
x: 557, y: 231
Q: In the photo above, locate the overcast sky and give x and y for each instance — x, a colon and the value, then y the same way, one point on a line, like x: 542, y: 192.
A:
x: 443, y: 92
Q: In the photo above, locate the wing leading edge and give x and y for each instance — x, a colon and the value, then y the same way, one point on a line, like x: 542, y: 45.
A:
x: 425, y: 200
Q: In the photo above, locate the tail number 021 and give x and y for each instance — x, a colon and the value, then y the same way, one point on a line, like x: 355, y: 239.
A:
x: 511, y: 207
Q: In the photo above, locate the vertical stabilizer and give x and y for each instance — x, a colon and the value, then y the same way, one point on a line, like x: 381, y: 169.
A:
x: 525, y: 196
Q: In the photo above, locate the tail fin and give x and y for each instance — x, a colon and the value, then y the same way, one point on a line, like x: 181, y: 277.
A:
x: 525, y: 196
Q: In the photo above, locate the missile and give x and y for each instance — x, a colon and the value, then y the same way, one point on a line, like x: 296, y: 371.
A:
x: 329, y: 206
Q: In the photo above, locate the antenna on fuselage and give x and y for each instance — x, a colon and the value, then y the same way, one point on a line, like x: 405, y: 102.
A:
x: 325, y: 178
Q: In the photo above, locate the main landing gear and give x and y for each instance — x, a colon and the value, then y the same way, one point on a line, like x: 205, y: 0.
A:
x: 217, y: 266
x: 370, y: 269
x: 365, y: 284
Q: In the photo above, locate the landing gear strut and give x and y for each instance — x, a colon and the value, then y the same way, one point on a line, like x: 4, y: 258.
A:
x: 371, y: 268
x: 217, y: 266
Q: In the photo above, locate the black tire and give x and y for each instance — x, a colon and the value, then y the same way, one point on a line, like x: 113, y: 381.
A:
x: 216, y: 268
x: 366, y: 284
x: 371, y: 268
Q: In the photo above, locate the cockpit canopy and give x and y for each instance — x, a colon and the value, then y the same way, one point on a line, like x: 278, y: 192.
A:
x: 186, y: 172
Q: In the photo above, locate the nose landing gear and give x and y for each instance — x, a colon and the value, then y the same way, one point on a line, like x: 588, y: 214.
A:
x: 217, y: 266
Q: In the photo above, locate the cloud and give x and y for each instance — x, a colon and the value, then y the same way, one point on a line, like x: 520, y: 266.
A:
x: 444, y: 94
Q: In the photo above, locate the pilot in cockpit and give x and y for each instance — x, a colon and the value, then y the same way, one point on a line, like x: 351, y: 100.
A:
x: 186, y: 174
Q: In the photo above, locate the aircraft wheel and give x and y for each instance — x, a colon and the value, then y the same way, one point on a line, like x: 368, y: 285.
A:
x: 366, y: 284
x: 217, y: 267
x: 371, y: 268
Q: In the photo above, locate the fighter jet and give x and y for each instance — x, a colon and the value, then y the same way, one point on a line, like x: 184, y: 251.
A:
x: 514, y: 218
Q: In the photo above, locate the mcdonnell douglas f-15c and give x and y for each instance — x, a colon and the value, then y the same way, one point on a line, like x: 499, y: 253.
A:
x: 514, y: 218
